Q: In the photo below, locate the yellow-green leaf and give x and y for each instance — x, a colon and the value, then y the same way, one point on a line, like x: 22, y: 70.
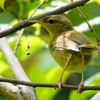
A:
x: 2, y: 4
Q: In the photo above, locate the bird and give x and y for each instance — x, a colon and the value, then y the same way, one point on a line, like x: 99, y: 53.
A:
x: 71, y: 49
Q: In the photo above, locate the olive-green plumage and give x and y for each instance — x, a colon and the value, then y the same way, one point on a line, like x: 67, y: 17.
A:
x: 65, y: 40
x: 72, y: 50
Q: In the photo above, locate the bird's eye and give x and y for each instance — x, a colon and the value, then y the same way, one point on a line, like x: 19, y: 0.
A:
x: 51, y: 21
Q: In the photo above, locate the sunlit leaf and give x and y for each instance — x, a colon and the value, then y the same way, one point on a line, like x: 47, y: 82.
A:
x: 2, y: 4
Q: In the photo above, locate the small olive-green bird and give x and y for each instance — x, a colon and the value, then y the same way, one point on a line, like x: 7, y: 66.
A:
x: 72, y: 50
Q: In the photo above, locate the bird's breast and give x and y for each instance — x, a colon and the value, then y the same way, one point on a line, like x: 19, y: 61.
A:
x: 61, y: 47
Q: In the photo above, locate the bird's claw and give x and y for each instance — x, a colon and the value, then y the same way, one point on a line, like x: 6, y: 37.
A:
x: 79, y: 90
x: 59, y: 84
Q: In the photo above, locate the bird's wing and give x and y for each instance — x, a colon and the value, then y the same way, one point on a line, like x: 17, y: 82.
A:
x: 78, y: 37
x: 89, y: 46
x: 63, y: 42
x: 71, y: 41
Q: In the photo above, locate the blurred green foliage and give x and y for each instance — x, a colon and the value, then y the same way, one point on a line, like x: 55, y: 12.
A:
x: 39, y: 65
x: 2, y: 4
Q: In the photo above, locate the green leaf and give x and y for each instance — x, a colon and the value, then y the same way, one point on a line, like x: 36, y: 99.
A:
x: 2, y: 4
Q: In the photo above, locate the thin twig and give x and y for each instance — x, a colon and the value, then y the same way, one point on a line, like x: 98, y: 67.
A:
x: 22, y: 30
x: 17, y: 43
x: 90, y: 27
x: 48, y: 85
x: 42, y: 3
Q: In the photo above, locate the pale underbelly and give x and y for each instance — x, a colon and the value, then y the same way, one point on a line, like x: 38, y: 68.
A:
x: 75, y: 63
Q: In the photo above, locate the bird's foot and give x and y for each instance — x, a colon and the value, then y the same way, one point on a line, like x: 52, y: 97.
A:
x: 79, y: 90
x: 60, y: 84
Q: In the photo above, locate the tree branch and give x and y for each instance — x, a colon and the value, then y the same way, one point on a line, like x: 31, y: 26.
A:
x: 9, y: 91
x: 27, y: 92
x: 27, y: 22
x: 96, y: 97
x: 48, y: 85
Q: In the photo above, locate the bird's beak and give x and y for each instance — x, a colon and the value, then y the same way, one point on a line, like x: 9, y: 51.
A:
x: 37, y: 21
